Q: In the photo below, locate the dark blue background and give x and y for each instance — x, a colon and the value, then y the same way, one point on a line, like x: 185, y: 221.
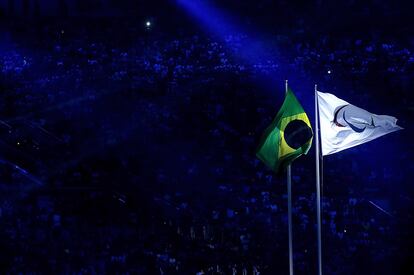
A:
x: 131, y: 149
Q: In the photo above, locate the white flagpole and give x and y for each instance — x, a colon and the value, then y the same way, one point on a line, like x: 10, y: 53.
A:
x: 289, y: 187
x: 318, y: 183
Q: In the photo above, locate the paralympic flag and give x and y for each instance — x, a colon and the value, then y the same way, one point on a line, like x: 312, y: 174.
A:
x: 288, y: 137
x: 343, y: 125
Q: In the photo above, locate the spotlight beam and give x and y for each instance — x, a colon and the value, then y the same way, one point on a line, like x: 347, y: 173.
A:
x: 254, y: 48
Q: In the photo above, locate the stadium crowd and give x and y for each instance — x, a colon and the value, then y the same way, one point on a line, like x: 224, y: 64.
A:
x: 137, y: 156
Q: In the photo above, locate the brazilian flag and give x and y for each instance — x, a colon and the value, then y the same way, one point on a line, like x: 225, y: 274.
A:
x: 289, y: 136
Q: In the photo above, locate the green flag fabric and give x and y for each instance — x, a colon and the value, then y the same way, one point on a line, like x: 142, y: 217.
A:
x: 288, y: 137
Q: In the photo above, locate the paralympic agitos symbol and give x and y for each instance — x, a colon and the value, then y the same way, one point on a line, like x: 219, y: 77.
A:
x: 356, y: 118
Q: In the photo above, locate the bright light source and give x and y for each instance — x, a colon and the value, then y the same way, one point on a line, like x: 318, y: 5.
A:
x: 329, y: 72
x: 148, y: 24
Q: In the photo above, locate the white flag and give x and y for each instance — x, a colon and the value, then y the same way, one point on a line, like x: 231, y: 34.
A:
x: 344, y: 125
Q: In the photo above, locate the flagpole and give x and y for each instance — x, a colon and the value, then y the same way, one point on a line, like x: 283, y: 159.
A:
x: 289, y: 187
x: 318, y: 184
